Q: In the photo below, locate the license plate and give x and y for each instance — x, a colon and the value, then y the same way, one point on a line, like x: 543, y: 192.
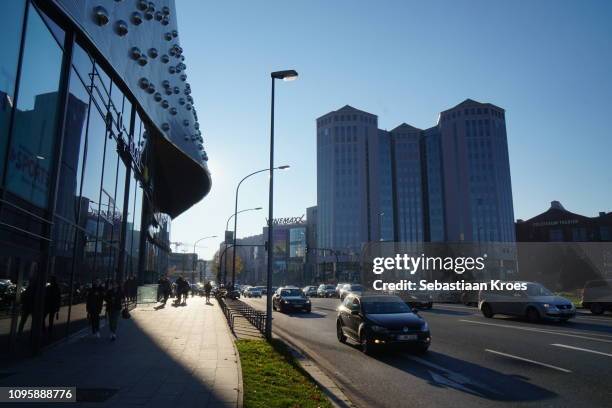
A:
x: 405, y: 337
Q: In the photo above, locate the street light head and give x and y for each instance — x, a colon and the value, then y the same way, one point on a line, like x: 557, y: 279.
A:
x: 258, y: 208
x: 288, y: 75
x: 283, y: 167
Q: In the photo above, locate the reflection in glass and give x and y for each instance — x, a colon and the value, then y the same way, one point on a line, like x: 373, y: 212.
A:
x: 12, y: 21
x: 31, y: 151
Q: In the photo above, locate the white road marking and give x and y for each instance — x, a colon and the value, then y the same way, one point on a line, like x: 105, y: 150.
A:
x: 582, y: 349
x: 452, y: 384
x: 537, y: 330
x: 453, y: 376
x: 527, y: 360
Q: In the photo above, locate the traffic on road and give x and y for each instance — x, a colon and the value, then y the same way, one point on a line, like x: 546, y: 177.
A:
x: 526, y: 348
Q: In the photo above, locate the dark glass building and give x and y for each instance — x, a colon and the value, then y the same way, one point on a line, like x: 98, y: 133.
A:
x: 100, y: 148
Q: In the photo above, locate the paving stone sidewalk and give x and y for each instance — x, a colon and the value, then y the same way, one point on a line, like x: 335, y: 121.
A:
x: 163, y: 357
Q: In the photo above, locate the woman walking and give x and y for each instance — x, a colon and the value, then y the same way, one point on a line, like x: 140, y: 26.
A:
x: 114, y: 304
x: 95, y: 300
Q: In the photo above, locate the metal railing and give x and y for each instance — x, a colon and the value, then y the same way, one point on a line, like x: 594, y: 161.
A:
x: 232, y: 308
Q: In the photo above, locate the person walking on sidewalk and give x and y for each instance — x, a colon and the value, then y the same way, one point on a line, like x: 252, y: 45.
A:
x: 95, y: 301
x: 114, y: 304
x: 207, y: 289
x: 166, y: 289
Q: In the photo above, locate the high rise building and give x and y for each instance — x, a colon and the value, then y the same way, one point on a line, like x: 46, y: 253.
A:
x: 448, y: 183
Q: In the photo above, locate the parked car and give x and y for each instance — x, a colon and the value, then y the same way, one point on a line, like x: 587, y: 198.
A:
x: 244, y: 289
x: 381, y: 320
x: 597, y: 296
x: 326, y: 291
x: 534, y: 303
x: 252, y: 292
x: 310, y: 291
x: 290, y: 298
x: 350, y: 288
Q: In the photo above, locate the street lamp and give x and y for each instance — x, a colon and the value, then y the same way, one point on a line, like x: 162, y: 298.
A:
x: 195, y: 259
x: 287, y: 75
x: 283, y: 167
x: 241, y: 211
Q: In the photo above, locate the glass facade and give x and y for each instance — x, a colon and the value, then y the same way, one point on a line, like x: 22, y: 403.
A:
x: 408, y: 185
x: 75, y: 202
x: 435, y: 185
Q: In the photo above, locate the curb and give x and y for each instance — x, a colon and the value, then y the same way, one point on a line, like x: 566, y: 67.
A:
x: 240, y: 402
x: 329, y: 387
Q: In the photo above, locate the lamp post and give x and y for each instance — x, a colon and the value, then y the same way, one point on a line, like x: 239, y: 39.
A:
x: 195, y: 259
x: 283, y: 167
x: 241, y: 211
x: 287, y: 75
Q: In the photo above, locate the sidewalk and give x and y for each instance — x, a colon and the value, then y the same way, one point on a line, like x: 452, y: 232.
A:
x: 171, y: 357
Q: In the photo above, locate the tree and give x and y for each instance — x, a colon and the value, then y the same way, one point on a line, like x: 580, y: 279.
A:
x: 227, y: 260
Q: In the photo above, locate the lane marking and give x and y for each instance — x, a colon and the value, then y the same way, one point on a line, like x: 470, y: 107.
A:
x: 537, y: 330
x: 527, y: 360
x: 582, y: 349
x: 452, y: 375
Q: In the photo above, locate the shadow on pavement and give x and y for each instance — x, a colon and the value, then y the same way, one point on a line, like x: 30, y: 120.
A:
x: 144, y: 366
x: 444, y: 371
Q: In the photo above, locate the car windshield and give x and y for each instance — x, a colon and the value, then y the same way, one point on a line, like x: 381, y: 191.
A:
x: 384, y: 305
x: 535, y: 289
x: 356, y: 287
x: 330, y: 287
x: 291, y: 292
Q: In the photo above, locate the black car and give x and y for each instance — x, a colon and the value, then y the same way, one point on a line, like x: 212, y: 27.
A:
x: 285, y: 299
x: 381, y: 320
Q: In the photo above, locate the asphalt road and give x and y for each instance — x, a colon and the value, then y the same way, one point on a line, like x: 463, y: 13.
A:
x: 472, y: 362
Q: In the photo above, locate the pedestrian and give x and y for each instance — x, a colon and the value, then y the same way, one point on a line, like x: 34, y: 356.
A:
x: 166, y: 289
x: 53, y: 300
x: 207, y: 289
x: 184, y: 290
x: 114, y: 304
x: 95, y: 301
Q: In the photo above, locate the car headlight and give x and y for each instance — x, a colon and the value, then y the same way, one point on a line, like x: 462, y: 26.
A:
x: 307, y: 301
x: 424, y: 326
x: 378, y: 329
x: 548, y: 306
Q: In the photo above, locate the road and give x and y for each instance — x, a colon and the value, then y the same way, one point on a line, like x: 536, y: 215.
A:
x: 472, y: 362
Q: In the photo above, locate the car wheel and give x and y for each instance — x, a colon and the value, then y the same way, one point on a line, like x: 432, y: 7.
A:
x: 596, y: 309
x: 487, y: 311
x: 533, y: 315
x: 366, y: 348
x: 274, y: 306
x: 340, y: 333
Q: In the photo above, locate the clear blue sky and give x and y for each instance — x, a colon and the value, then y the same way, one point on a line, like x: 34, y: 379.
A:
x: 548, y: 63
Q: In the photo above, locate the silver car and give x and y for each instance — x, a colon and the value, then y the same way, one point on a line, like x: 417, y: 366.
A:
x: 534, y: 303
x: 349, y: 288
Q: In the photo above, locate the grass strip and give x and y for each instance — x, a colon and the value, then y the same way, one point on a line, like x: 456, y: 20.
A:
x: 273, y: 378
